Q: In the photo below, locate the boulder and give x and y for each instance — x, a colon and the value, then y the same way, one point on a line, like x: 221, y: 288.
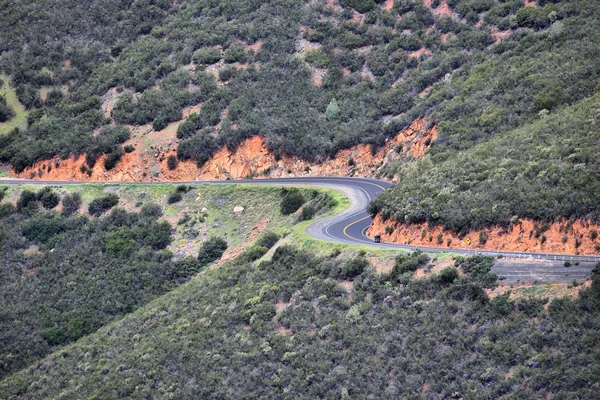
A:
x: 238, y: 210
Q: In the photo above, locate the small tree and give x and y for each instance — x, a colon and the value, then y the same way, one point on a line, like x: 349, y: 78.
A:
x: 48, y: 198
x: 267, y: 239
x: 333, y: 110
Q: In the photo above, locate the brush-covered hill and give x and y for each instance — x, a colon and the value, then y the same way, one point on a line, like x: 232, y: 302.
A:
x: 300, y: 327
x: 73, y: 259
x: 313, y: 78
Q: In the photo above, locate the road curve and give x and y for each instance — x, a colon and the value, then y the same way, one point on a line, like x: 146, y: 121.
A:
x: 348, y: 227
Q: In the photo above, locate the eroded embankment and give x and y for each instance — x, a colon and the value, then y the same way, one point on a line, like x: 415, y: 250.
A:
x: 565, y: 237
x: 148, y: 162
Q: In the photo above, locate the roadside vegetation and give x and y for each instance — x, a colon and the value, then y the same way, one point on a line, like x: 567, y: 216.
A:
x: 484, y: 72
x: 304, y: 326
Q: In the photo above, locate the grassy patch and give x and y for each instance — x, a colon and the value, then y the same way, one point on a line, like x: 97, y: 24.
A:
x: 20, y: 118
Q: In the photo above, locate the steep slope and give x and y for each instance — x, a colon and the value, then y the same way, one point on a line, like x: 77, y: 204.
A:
x: 530, y: 185
x: 64, y: 272
x: 299, y: 326
x: 311, y: 78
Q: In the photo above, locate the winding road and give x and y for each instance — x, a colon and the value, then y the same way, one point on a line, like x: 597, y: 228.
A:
x: 348, y: 227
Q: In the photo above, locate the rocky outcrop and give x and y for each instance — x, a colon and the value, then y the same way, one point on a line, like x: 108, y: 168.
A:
x: 148, y: 162
x: 524, y: 235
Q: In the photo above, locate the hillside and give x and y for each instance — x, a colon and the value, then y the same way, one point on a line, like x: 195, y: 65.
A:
x: 299, y: 326
x: 156, y: 90
x: 289, y: 71
x: 76, y: 258
x: 538, y: 182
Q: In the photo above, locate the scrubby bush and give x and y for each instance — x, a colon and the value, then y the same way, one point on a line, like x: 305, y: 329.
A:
x: 211, y: 250
x: 408, y: 263
x: 151, y: 210
x: 292, y: 201
x: 27, y: 200
x: 235, y: 53
x: 113, y: 158
x: 172, y: 162
x: 174, y: 197
x: 199, y: 148
x: 226, y: 73
x: 48, y: 198
x: 267, y: 239
x: 43, y: 227
x: 253, y: 253
x: 354, y: 267
x: 71, y: 204
x: 102, y: 204
x: 6, y: 112
x: 207, y: 55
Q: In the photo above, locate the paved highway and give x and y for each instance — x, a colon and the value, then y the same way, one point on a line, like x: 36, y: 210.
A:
x: 348, y: 227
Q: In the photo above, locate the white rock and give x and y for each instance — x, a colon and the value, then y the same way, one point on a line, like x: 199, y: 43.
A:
x: 238, y: 210
x: 204, y: 210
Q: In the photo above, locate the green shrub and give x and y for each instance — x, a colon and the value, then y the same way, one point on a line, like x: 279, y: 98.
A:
x: 102, y: 204
x: 113, y: 158
x: 172, y: 162
x: 174, y: 197
x: 120, y: 242
x: 253, y: 253
x: 43, y: 227
x: 27, y: 200
x: 71, y: 204
x: 291, y: 201
x: 408, y: 263
x: 48, y: 198
x: 483, y: 238
x: 235, y: 53
x: 207, y: 56
x: 151, y: 210
x: 267, y: 239
x: 226, y: 73
x: 199, y: 148
x: 362, y: 6
x: 211, y: 250
x: 6, y: 112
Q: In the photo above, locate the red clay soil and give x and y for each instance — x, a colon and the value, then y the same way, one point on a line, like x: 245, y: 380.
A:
x: 442, y: 9
x: 148, y: 162
x: 559, y: 238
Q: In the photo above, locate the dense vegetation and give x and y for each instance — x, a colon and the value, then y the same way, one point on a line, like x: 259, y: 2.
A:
x: 162, y: 56
x: 64, y: 275
x: 286, y: 328
x: 479, y: 88
x: 545, y: 171
x: 6, y: 112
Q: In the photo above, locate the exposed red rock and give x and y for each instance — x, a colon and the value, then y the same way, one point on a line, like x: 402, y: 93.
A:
x: 252, y: 158
x: 560, y: 238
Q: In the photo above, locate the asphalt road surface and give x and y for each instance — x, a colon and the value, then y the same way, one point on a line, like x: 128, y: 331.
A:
x: 348, y: 227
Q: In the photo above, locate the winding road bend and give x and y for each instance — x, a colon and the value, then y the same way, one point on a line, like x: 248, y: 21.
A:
x: 348, y: 227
